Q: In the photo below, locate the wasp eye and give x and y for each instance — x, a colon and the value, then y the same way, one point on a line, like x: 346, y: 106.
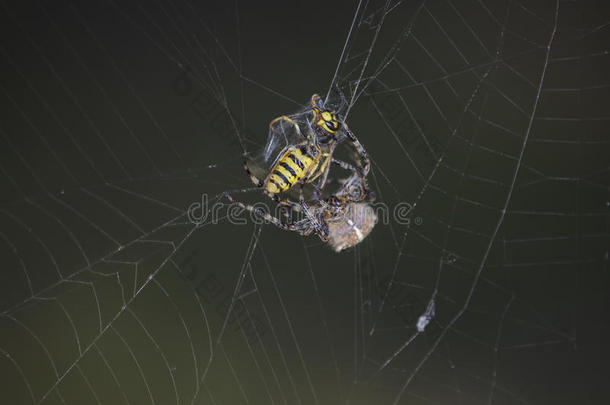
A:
x: 332, y: 125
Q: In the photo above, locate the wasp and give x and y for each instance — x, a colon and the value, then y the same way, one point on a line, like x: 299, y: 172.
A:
x: 309, y: 160
x: 302, y: 163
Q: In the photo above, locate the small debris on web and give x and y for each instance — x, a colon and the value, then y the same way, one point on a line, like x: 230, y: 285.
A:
x: 426, y: 317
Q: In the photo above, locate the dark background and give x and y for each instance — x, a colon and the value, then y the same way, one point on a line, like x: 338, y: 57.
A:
x: 490, y: 117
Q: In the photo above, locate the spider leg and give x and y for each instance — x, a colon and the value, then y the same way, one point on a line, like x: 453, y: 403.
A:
x: 264, y: 215
x: 364, y: 156
x: 294, y: 206
x: 310, y: 223
x: 348, y: 183
x: 301, y: 198
x: 345, y: 165
x: 303, y: 227
x: 291, y: 205
x: 320, y: 227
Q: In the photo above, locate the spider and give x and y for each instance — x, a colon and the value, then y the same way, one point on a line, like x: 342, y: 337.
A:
x: 310, y: 159
x: 343, y: 220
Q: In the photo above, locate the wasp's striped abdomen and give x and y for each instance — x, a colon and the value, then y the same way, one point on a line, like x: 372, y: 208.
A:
x: 293, y: 166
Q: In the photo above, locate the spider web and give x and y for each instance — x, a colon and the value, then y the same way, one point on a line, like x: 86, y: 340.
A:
x: 489, y: 118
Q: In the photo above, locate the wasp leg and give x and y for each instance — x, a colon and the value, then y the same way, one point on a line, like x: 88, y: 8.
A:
x: 289, y: 120
x: 293, y: 206
x: 315, y: 195
x: 258, y: 182
x: 310, y: 141
x: 344, y: 165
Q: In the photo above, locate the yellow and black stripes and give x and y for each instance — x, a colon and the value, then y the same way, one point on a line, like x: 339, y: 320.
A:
x: 292, y: 167
x: 296, y: 161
